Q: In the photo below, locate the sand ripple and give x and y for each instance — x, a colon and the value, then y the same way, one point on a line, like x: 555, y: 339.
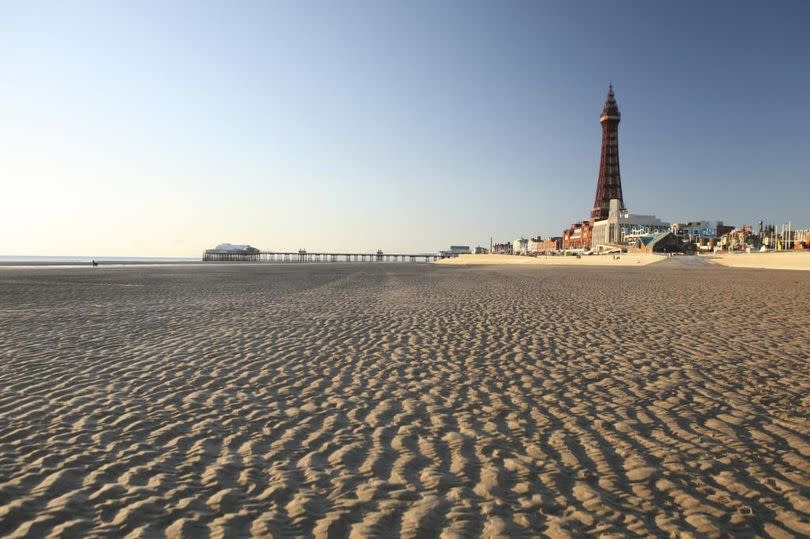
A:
x: 404, y: 400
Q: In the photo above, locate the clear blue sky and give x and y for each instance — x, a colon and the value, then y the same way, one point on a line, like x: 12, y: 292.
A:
x: 162, y: 128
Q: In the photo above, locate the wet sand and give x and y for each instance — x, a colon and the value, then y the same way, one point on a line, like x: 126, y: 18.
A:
x: 404, y: 400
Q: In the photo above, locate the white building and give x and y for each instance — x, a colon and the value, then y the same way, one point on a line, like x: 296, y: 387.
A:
x: 456, y: 250
x: 520, y: 246
x: 696, y: 230
x: 232, y: 248
x: 621, y: 226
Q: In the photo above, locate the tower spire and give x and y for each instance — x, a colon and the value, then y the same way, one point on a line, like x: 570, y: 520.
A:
x: 609, y: 183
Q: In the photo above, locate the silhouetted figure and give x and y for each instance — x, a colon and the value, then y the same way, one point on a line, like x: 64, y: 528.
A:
x: 95, y: 264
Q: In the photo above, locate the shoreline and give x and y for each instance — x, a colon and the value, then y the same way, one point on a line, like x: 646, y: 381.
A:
x: 198, y: 263
x: 101, y: 263
x: 89, y: 264
x: 65, y: 261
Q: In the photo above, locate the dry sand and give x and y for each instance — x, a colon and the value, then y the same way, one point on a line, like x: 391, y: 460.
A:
x: 793, y: 260
x: 404, y: 400
x: 586, y: 260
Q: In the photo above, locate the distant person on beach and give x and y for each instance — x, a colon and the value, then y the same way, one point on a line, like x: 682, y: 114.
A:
x: 95, y: 263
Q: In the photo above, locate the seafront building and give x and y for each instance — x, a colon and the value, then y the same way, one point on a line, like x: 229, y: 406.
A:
x: 532, y: 246
x: 230, y: 248
x: 801, y: 238
x: 538, y: 245
x: 455, y: 250
x: 702, y: 235
x: 768, y: 238
x: 661, y: 242
x: 520, y: 246
x: 577, y: 236
x: 695, y: 231
x: 621, y: 227
x: 554, y: 243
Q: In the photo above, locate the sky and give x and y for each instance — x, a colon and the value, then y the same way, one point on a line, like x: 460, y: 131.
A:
x: 163, y: 128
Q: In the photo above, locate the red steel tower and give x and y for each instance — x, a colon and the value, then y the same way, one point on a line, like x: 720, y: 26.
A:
x: 609, y: 184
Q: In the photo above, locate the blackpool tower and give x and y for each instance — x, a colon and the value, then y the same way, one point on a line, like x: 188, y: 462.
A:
x: 609, y: 184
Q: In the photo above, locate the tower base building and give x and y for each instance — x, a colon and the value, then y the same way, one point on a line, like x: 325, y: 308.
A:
x: 622, y: 227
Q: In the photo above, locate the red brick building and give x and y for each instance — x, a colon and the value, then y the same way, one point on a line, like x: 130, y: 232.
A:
x: 801, y: 239
x: 578, y: 236
x: 554, y: 243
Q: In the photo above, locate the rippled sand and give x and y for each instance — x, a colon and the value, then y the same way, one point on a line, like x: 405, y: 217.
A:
x: 404, y: 400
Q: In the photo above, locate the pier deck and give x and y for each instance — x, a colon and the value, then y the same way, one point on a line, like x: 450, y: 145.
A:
x: 304, y: 256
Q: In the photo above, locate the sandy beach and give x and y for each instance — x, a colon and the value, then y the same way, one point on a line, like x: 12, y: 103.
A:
x: 790, y: 260
x: 585, y: 260
x: 413, y: 400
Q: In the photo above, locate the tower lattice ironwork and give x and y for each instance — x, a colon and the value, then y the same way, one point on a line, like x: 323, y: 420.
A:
x: 609, y: 184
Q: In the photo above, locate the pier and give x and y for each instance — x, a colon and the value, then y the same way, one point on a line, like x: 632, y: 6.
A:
x: 302, y: 256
